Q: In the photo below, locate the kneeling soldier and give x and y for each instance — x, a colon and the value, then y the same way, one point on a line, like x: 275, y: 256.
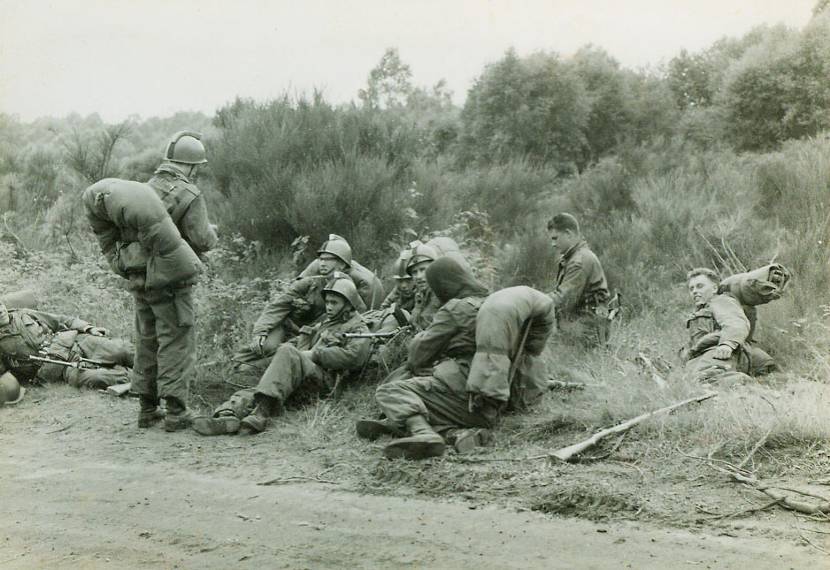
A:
x: 314, y: 364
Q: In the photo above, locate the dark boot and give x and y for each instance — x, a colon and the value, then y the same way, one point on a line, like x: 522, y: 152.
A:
x: 465, y: 440
x: 422, y: 444
x: 178, y: 416
x: 148, y: 411
x: 373, y: 429
x: 259, y: 419
x: 223, y: 424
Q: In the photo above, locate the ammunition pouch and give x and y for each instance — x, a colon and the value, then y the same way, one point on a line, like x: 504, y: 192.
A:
x: 131, y: 257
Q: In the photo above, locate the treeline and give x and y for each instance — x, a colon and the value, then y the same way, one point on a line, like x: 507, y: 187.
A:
x: 693, y: 163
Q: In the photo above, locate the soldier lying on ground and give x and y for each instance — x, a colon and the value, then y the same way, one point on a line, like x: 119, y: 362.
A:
x: 369, y: 286
x: 300, y: 305
x: 719, y: 334
x: 581, y: 292
x: 436, y: 397
x: 321, y: 355
x: 27, y: 335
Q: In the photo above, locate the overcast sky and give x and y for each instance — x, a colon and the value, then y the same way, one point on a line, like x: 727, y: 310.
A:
x: 156, y: 57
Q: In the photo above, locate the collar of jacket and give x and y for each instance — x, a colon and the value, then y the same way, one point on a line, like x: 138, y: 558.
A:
x: 343, y: 316
x: 571, y: 250
x: 173, y: 171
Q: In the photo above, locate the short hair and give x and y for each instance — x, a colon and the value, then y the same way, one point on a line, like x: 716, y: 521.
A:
x: 563, y: 222
x: 706, y: 272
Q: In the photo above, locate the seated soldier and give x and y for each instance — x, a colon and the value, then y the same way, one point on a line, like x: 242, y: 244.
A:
x: 301, y: 304
x: 719, y: 334
x: 369, y: 286
x: 581, y: 292
x: 93, y: 360
x: 435, y: 399
x: 426, y: 303
x: 403, y: 295
x: 322, y: 353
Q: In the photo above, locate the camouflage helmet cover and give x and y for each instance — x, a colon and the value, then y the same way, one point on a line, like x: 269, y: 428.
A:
x: 337, y: 247
x: 346, y: 289
x: 186, y: 147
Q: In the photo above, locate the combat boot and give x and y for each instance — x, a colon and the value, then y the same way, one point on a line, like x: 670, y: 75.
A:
x: 465, y: 440
x: 260, y: 417
x: 148, y: 412
x: 423, y: 442
x: 222, y: 424
x: 373, y: 429
x: 178, y: 416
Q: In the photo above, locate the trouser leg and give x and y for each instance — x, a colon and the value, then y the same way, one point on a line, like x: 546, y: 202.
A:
x: 145, y: 366
x: 288, y: 370
x: 110, y: 350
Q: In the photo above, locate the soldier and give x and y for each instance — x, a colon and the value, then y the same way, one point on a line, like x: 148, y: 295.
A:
x: 581, y: 292
x: 436, y: 398
x: 321, y: 354
x: 162, y: 266
x: 302, y: 304
x: 26, y: 333
x: 426, y: 303
x: 403, y: 295
x: 719, y: 332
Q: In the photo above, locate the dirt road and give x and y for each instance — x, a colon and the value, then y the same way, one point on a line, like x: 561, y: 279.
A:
x: 83, y: 488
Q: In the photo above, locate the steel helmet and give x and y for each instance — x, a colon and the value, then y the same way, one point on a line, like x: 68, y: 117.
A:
x: 400, y: 267
x: 186, y: 147
x: 346, y: 289
x: 11, y: 392
x: 339, y: 248
x: 420, y: 253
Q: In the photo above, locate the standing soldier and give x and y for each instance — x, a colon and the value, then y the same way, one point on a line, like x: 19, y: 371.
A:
x: 581, y: 292
x: 154, y: 240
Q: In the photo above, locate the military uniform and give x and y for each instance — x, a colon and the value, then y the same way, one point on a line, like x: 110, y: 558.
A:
x: 58, y: 337
x: 722, y: 321
x: 425, y: 307
x: 291, y: 369
x: 164, y: 318
x: 439, y: 357
x: 581, y: 296
x: 300, y: 305
x: 396, y: 297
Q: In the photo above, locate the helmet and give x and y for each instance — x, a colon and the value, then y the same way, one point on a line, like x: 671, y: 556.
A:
x: 186, y: 147
x: 11, y: 392
x: 339, y: 248
x: 420, y: 253
x: 400, y: 267
x: 346, y: 289
x: 4, y: 315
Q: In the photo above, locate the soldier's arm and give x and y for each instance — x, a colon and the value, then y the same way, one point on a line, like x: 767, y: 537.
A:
x: 566, y: 296
x: 346, y: 354
x: 732, y: 320
x: 108, y: 236
x: 390, y: 298
x: 430, y: 343
x: 196, y: 227
x: 279, y: 309
x: 59, y: 322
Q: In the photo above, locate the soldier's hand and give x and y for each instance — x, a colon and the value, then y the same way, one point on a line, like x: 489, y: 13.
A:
x: 722, y: 352
x: 257, y: 344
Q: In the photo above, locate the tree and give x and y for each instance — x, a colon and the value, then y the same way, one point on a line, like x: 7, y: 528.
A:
x: 389, y: 84
x: 92, y: 159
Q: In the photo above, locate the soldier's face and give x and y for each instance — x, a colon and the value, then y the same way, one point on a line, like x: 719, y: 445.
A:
x: 561, y: 241
x: 406, y: 286
x: 702, y: 289
x: 419, y: 274
x: 329, y: 263
x: 334, y: 305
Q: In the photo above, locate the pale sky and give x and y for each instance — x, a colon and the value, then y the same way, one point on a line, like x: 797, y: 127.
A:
x: 157, y: 57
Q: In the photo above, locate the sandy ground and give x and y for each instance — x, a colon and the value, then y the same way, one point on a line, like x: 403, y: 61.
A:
x: 84, y: 488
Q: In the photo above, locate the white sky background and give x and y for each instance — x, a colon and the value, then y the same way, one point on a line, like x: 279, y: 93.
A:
x: 155, y: 57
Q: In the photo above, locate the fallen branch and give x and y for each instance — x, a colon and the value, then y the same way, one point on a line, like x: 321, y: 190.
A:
x: 568, y: 453
x: 754, y: 449
x: 64, y: 428
x: 292, y: 479
x: 649, y: 367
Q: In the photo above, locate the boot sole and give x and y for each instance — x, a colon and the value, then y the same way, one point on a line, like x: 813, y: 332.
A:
x: 414, y: 450
x: 150, y: 421
x: 477, y: 438
x: 252, y: 427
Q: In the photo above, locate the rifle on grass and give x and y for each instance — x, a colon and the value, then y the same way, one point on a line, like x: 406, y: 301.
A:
x: 79, y: 363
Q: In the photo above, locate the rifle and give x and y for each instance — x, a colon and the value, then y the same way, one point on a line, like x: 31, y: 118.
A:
x: 614, y: 306
x: 79, y: 363
x: 387, y: 334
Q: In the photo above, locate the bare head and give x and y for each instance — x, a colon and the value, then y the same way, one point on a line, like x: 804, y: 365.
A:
x: 703, y: 285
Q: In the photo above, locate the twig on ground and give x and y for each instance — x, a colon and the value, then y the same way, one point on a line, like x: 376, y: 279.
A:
x: 294, y: 478
x: 749, y: 511
x: 64, y: 428
x: 758, y: 445
x: 805, y: 539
